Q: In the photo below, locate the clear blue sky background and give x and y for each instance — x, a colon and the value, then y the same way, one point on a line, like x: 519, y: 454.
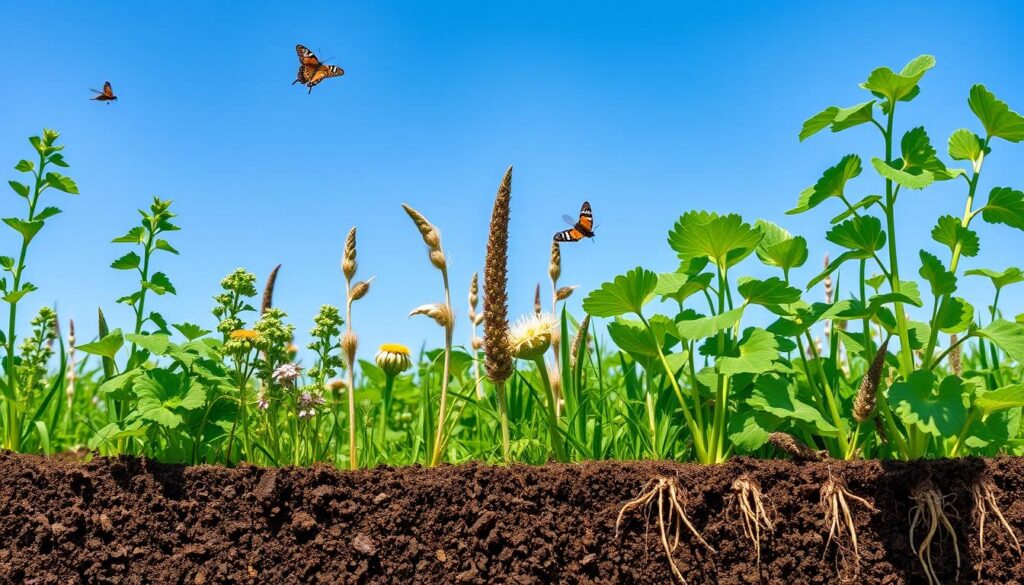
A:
x: 645, y: 109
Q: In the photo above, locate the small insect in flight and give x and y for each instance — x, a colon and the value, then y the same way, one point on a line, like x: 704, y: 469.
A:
x: 584, y: 228
x: 311, y: 70
x: 107, y: 95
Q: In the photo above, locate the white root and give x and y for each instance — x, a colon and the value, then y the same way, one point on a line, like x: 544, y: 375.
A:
x: 985, y: 502
x: 753, y: 516
x: 835, y: 500
x: 929, y: 511
x: 671, y: 517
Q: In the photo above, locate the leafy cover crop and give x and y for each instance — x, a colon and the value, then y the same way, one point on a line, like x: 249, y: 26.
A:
x: 907, y: 369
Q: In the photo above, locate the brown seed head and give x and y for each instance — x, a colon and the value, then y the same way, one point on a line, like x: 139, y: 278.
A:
x: 536, y: 300
x: 579, y: 339
x: 864, y: 405
x: 439, y: 312
x: 431, y: 237
x: 474, y: 295
x: 349, y: 345
x: 564, y: 292
x: 71, y: 335
x: 438, y: 260
x: 498, y: 357
x: 348, y: 262
x: 954, y: 356
x: 555, y: 267
x: 360, y: 289
x: 268, y: 290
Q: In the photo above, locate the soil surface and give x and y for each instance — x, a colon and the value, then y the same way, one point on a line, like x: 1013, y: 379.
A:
x: 136, y: 521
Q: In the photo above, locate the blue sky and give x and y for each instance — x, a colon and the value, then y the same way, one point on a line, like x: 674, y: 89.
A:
x: 645, y: 109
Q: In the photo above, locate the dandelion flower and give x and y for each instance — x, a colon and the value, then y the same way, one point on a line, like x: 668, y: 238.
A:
x: 246, y: 335
x: 530, y: 336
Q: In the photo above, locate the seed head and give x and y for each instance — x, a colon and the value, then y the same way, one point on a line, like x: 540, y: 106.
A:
x: 555, y: 267
x: 498, y: 359
x: 431, y: 237
x: 579, y: 339
x: 268, y: 290
x: 954, y: 356
x: 790, y: 444
x: 828, y: 283
x: 564, y: 292
x: 864, y: 405
x: 360, y: 289
x: 536, y: 300
x: 474, y: 296
x: 349, y: 345
x: 439, y: 312
x: 348, y: 262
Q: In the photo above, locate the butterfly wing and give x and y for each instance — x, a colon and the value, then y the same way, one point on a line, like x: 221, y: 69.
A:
x: 107, y: 90
x: 573, y: 235
x: 586, y: 217
x: 308, y: 65
x: 323, y: 72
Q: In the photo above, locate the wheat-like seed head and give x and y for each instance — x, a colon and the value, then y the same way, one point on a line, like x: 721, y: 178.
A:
x: 954, y: 356
x: 349, y: 346
x: 348, y: 262
x: 439, y: 312
x: 431, y: 237
x: 864, y: 405
x: 555, y: 266
x: 268, y: 290
x: 579, y: 339
x: 474, y: 295
x: 497, y: 356
x: 564, y: 292
x: 360, y: 289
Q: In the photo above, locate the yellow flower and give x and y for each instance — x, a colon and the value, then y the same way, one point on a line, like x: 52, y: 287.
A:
x: 530, y: 337
x: 245, y: 335
x: 393, y: 358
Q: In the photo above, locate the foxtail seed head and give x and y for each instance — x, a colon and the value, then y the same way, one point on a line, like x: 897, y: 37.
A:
x: 498, y: 357
x: 536, y: 300
x: 474, y: 294
x: 555, y: 267
x: 579, y: 339
x: 348, y: 262
x: 954, y: 356
x: 268, y: 290
x: 864, y: 405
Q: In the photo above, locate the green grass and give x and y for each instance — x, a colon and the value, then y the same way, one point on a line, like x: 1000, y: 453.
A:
x: 685, y: 375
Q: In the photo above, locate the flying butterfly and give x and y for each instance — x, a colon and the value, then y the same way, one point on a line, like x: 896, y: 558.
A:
x: 107, y: 95
x: 311, y: 70
x: 584, y: 228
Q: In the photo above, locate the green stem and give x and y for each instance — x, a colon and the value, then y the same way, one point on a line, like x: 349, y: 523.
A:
x: 382, y: 425
x: 552, y: 416
x: 830, y: 400
x: 499, y: 389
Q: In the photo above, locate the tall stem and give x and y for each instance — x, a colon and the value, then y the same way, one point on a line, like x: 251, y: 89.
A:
x: 552, y: 416
x: 906, y: 353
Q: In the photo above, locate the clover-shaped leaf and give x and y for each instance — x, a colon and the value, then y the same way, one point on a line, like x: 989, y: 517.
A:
x: 628, y: 293
x: 966, y: 145
x: 779, y: 249
x: 1011, y: 275
x: 902, y: 86
x: 772, y: 291
x: 995, y: 115
x: 678, y: 286
x: 723, y: 239
x: 940, y: 413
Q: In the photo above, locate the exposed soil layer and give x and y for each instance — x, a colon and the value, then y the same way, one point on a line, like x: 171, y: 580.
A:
x: 135, y: 521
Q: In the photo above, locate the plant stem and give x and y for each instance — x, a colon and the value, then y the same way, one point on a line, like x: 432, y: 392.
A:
x: 552, y: 416
x: 382, y: 426
x: 499, y: 389
x: 442, y: 411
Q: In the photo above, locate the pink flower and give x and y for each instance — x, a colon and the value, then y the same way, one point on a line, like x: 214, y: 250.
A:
x: 286, y: 374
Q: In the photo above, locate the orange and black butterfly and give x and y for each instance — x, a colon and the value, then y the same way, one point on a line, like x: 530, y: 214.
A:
x: 311, y: 70
x: 107, y: 95
x: 584, y: 228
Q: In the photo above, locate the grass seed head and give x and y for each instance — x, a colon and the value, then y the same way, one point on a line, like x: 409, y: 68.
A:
x: 954, y: 356
x: 439, y: 312
x: 555, y: 267
x: 498, y: 357
x: 564, y: 292
x: 360, y: 289
x: 864, y: 405
x: 579, y: 339
x: 474, y: 295
x: 348, y: 262
x: 431, y: 237
x: 536, y: 300
x: 349, y: 345
x: 268, y: 290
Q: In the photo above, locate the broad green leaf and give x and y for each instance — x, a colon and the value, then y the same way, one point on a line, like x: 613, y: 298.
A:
x: 694, y: 329
x: 27, y: 229
x: 965, y: 145
x: 118, y: 387
x: 165, y: 246
x: 15, y: 296
x: 155, y: 344
x: 957, y: 315
x: 24, y: 166
x: 679, y: 287
x: 749, y: 429
x: 7, y: 263
x: 773, y: 291
x: 161, y: 394
x: 818, y: 122
x: 628, y: 293
x: 853, y: 209
x: 862, y: 233
x: 758, y: 350
x: 1000, y: 399
x: 723, y: 239
x: 160, y: 284
x: 191, y: 331
x: 950, y: 231
x: 778, y: 248
x: 20, y: 188
x: 831, y: 184
x: 853, y: 116
x: 906, y: 179
x: 1008, y: 336
x: 885, y: 83
x: 1011, y: 275
x: 995, y: 115
x: 47, y: 213
x: 1005, y: 205
x: 940, y: 413
x: 129, y: 261
x: 942, y: 281
x: 777, y: 396
x: 108, y: 346
x: 134, y: 236
x: 61, y: 183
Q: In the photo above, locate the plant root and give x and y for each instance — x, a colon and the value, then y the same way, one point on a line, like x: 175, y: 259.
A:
x: 835, y: 501
x: 753, y: 516
x: 985, y: 502
x: 671, y: 517
x: 929, y: 511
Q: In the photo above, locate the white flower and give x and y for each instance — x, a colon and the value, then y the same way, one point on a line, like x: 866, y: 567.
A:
x: 530, y: 336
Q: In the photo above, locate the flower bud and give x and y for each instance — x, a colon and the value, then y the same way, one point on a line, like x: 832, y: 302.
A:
x: 530, y: 337
x: 393, y: 359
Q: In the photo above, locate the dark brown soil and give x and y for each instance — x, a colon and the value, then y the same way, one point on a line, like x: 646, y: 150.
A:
x: 135, y: 521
